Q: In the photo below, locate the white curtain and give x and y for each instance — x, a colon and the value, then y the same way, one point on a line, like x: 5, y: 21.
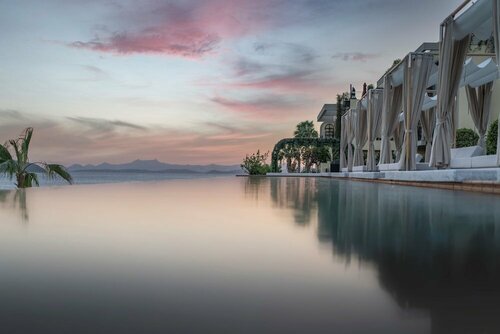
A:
x: 451, y: 62
x: 417, y: 72
x: 453, y: 122
x: 398, y: 138
x: 360, y: 134
x: 479, y: 107
x: 350, y: 139
x: 496, y: 34
x: 390, y: 112
x: 428, y: 121
x: 496, y: 28
x: 374, y: 123
x: 343, y: 142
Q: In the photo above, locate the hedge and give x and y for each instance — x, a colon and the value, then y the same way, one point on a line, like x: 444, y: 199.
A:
x: 491, y: 138
x: 466, y: 138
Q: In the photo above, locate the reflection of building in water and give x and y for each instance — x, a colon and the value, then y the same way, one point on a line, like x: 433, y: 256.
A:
x: 15, y: 200
x: 435, y: 251
x: 298, y: 194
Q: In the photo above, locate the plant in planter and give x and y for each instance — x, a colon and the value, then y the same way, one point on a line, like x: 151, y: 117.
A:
x: 491, y: 138
x: 466, y: 138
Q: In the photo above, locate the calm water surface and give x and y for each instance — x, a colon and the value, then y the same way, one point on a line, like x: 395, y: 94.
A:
x: 100, y: 177
x: 238, y: 255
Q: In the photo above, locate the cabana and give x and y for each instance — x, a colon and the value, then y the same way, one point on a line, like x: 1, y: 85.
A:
x: 391, y: 107
x: 343, y: 143
x: 374, y: 121
x: 481, y: 19
x: 348, y: 135
x: 405, y: 88
x: 359, y: 122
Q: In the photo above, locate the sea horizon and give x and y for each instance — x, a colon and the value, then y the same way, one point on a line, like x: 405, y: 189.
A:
x: 86, y: 177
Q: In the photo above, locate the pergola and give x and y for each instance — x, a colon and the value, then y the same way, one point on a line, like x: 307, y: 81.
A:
x: 421, y: 89
x: 405, y: 88
x: 481, y: 19
x: 346, y: 141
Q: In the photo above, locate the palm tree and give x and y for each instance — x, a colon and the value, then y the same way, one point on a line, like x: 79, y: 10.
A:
x: 289, y: 153
x: 21, y: 167
x: 305, y: 130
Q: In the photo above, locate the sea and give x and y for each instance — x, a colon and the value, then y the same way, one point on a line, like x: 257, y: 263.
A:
x: 98, y: 177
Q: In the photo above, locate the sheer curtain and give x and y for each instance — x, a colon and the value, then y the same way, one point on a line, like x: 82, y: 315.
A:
x: 479, y: 107
x: 417, y: 73
x: 428, y: 121
x: 343, y: 142
x: 350, y: 139
x: 399, y: 138
x: 360, y: 134
x: 496, y: 34
x: 390, y: 112
x: 451, y: 62
x: 374, y: 123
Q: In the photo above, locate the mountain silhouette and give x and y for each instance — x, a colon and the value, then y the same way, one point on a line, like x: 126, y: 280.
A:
x: 156, y: 166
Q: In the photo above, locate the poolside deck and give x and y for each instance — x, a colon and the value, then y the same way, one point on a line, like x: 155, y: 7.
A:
x: 486, y: 180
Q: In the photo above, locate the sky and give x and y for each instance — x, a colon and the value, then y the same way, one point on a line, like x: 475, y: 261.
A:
x: 190, y: 81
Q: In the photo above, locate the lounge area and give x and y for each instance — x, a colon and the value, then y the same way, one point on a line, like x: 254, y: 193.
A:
x: 413, y: 111
x: 406, y: 128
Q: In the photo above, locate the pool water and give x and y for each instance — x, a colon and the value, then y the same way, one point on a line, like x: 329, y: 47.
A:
x: 249, y: 255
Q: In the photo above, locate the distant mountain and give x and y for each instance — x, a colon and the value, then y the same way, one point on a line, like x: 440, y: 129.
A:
x: 35, y: 169
x: 157, y: 166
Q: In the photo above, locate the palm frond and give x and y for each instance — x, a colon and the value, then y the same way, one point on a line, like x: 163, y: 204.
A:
x: 14, y: 144
x: 54, y: 170
x: 4, y: 157
x: 26, y: 140
x: 30, y: 180
x: 9, y: 167
x: 4, y: 154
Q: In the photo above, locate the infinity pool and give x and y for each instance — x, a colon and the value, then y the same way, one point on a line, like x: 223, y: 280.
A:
x: 244, y: 255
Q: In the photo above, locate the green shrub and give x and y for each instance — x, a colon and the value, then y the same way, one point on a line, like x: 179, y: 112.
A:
x: 466, y: 138
x: 491, y: 138
x: 255, y: 164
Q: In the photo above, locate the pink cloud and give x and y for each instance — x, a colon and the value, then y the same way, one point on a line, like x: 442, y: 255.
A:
x: 266, y: 107
x: 292, y: 82
x: 192, y: 44
x: 185, y: 29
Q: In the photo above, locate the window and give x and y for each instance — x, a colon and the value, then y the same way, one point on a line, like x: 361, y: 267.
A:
x: 329, y: 131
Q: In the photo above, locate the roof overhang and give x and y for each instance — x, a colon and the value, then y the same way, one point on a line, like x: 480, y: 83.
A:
x: 328, y: 113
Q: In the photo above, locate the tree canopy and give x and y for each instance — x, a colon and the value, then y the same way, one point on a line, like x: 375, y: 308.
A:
x: 296, y: 148
x: 305, y: 130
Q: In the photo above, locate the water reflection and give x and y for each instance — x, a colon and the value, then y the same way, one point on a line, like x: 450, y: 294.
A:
x: 434, y: 251
x: 297, y: 194
x: 15, y: 200
x: 224, y: 256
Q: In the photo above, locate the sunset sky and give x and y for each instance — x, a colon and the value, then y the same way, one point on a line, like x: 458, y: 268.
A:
x: 190, y: 81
